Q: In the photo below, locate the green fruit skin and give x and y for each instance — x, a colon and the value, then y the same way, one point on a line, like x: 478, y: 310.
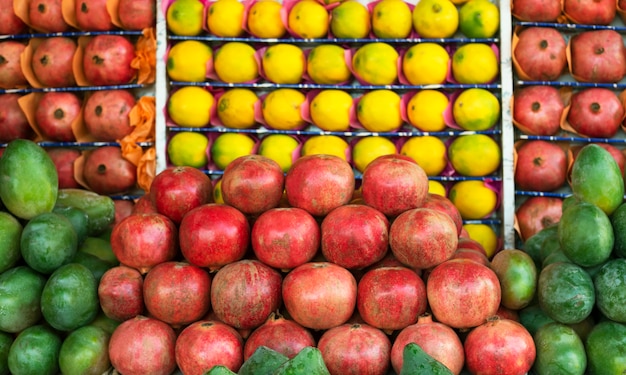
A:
x: 597, y: 179
x: 29, y: 182
x: 532, y: 317
x: 96, y: 265
x: 48, y: 241
x: 565, y: 292
x: 10, y: 233
x: 5, y: 345
x: 586, y: 234
x: 555, y: 257
x: 549, y: 246
x: 107, y: 324
x: 35, y: 351
x: 308, y: 360
x: 20, y: 292
x: 416, y: 361
x: 264, y: 361
x: 517, y: 274
x: 100, y: 209
x: 534, y: 244
x: 618, y: 221
x: 77, y: 217
x: 606, y: 349
x: 70, y: 297
x: 610, y: 282
x: 99, y: 248
x: 559, y: 351
x: 85, y: 351
x: 220, y: 370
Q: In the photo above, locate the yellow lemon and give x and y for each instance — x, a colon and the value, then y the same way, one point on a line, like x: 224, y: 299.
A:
x: 484, y: 235
x: 479, y: 19
x: 225, y: 18
x: 474, y: 155
x: 476, y: 109
x: 229, y: 146
x: 435, y: 18
x: 280, y: 148
x: 426, y: 64
x: 350, y: 20
x: 264, y: 19
x: 235, y: 108
x: 376, y: 63
x: 473, y: 199
x: 425, y: 110
x: 187, y: 61
x: 234, y: 62
x: 436, y: 187
x: 458, y: 2
x: 330, y: 110
x: 391, y: 19
x: 184, y: 17
x: 281, y: 109
x: 366, y: 149
x: 190, y: 106
x: 217, y: 192
x: 428, y: 152
x: 326, y: 65
x: 325, y: 144
x: 308, y: 19
x: 379, y: 111
x: 283, y: 63
x: 475, y: 63
x: 189, y: 149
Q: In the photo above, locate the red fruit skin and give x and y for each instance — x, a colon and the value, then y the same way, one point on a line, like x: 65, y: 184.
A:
x: 536, y: 213
x: 359, y: 347
x: 423, y: 238
x: 506, y: 313
x: 468, y: 243
x: 245, y: 293
x: 106, y: 171
x: 471, y: 254
x: 13, y: 121
x: 63, y: 159
x: 285, y: 238
x: 52, y: 62
x: 319, y: 183
x: 598, y: 56
x: 123, y: 208
x: 142, y: 241
x: 11, y: 75
x: 596, y: 112
x: 540, y: 53
x: 538, y: 109
x: 445, y: 205
x: 590, y: 12
x: 177, y: 190
x: 536, y: 10
x: 55, y: 114
x: 319, y: 295
x: 540, y: 166
x: 499, y: 346
x: 618, y: 155
x: 354, y: 236
x: 47, y: 16
x: 121, y: 293
x: 106, y: 114
x: 214, y: 235
x: 142, y: 346
x: 107, y: 60
x: 391, y: 298
x: 282, y: 335
x: 205, y: 344
x: 10, y: 23
x: 136, y: 14
x: 92, y: 15
x: 144, y: 205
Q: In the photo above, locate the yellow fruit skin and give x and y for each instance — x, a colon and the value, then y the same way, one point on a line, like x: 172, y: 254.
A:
x: 425, y: 64
x: 264, y: 20
x: 435, y: 18
x: 235, y: 108
x: 190, y: 106
x: 228, y: 147
x: 283, y: 63
x: 479, y: 19
x: 475, y: 63
x: 379, y: 111
x: 235, y: 62
x: 392, y: 19
x: 330, y: 110
x: 376, y: 63
x: 326, y: 65
x: 425, y: 110
x: 326, y: 144
x: 465, y: 150
x: 281, y: 109
x: 308, y: 19
x: 225, y: 18
x: 188, y: 148
x: 187, y: 61
x: 350, y: 20
x: 184, y: 17
x: 473, y: 199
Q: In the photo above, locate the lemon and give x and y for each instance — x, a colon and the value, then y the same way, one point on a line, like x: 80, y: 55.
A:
x: 350, y: 20
x: 187, y: 61
x: 426, y: 64
x: 325, y: 144
x: 484, y: 235
x: 229, y: 146
x: 190, y: 106
x: 366, y: 149
x: 283, y: 63
x: 391, y: 19
x: 475, y: 63
x: 476, y: 109
x: 379, y: 111
x: 474, y: 155
x: 281, y: 109
x: 189, y: 149
x: 436, y: 187
x: 308, y: 19
x: 473, y: 199
x: 225, y: 18
x: 235, y: 108
x: 479, y: 19
x: 425, y: 110
x: 264, y: 20
x: 234, y: 62
x: 330, y: 110
x: 326, y: 65
x: 435, y: 18
x: 217, y: 192
x: 280, y: 148
x: 428, y: 152
x: 376, y: 63
x: 185, y: 17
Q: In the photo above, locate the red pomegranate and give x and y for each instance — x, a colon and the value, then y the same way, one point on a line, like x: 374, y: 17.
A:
x: 536, y: 213
x: 106, y: 171
x: 106, y: 114
x: 121, y: 293
x: 47, y: 16
x: 52, y: 61
x: 540, y: 166
x: 13, y: 121
x: 471, y: 254
x: 107, y: 60
x: 55, y: 115
x: 92, y: 15
x: 63, y: 159
x: 136, y: 14
x: 143, y: 205
x: 468, y: 243
x: 10, y: 23
x: 11, y: 75
x: 540, y: 54
x: 537, y: 110
x: 590, y: 12
x: 282, y: 335
x: 598, y: 56
x: 618, y: 155
x: 123, y: 208
x: 596, y: 112
x: 445, y: 205
x: 536, y: 10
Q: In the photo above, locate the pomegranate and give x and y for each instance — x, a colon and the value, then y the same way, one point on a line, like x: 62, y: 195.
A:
x: 540, y: 166
x: 10, y: 23
x: 537, y: 110
x: 142, y: 241
x: 540, y: 54
x: 618, y: 155
x: 207, y: 343
x: 590, y: 12
x: 463, y: 293
x: 359, y: 347
x: 282, y: 335
x: 319, y: 295
x: 285, y: 238
x: 468, y: 243
x: 537, y: 213
x: 143, y: 345
x: 136, y: 14
x: 506, y: 313
x: 123, y: 208
x: 536, y: 10
x: 13, y: 121
x: 47, y: 16
x: 52, y: 61
x: 107, y: 172
x: 445, y: 205
x: 177, y: 190
x: 106, y: 114
x: 319, y: 183
x: 63, y: 159
x: 598, y: 56
x: 471, y: 254
x: 596, y: 112
x: 107, y: 59
x: 391, y: 298
x: 213, y: 235
x: 92, y: 15
x: 144, y: 205
x: 55, y: 114
x: 11, y: 75
x: 121, y: 293
x: 499, y: 346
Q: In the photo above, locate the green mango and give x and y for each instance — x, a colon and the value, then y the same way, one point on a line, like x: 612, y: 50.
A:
x: 415, y: 361
x: 308, y: 361
x: 610, y: 291
x: 48, y: 241
x: 85, y: 351
x: 264, y: 361
x: 5, y: 345
x: 559, y: 351
x: 606, y: 348
x: 220, y: 370
x: 100, y: 209
x: 77, y: 217
x: 20, y: 293
x: 10, y: 234
x: 35, y: 351
x: 618, y: 221
x: 99, y: 248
